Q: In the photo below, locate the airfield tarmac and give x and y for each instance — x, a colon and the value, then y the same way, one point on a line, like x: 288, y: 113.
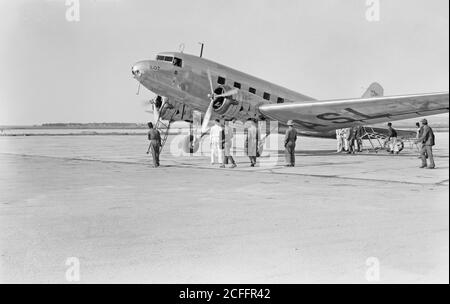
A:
x: 96, y: 198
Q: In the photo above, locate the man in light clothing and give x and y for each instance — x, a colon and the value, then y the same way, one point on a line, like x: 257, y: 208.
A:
x: 418, y: 135
x: 252, y: 140
x: 216, y: 139
x: 340, y: 140
x: 346, y: 134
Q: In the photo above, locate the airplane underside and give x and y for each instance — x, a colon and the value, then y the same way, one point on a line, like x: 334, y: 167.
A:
x: 169, y: 112
x: 196, y: 90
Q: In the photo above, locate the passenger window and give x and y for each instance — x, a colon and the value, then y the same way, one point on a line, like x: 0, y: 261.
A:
x: 168, y: 58
x: 159, y: 57
x: 237, y: 85
x: 266, y: 96
x: 252, y: 90
x: 221, y: 80
x: 280, y: 100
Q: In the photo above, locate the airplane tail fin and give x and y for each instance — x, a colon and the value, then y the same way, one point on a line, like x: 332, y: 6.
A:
x: 374, y: 90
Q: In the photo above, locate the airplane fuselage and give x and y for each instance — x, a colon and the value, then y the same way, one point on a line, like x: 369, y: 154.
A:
x: 183, y: 80
x: 182, y: 83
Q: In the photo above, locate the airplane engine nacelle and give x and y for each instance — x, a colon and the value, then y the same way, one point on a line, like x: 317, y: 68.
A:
x: 235, y: 106
x: 222, y: 104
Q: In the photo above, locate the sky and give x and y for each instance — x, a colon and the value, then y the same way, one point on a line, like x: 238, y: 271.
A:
x: 53, y: 70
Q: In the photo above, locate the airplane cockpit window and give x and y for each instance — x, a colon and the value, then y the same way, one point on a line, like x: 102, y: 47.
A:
x: 174, y: 60
x: 177, y: 62
x: 164, y: 58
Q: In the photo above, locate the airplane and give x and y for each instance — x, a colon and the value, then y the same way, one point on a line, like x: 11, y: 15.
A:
x: 186, y: 84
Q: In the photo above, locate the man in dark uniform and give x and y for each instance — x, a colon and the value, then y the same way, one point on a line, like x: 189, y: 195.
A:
x: 428, y: 141
x: 228, y: 143
x: 392, y: 138
x: 359, y: 136
x: 289, y: 144
x: 351, y: 140
x: 155, y: 144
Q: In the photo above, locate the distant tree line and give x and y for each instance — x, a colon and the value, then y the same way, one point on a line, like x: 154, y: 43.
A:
x: 95, y: 125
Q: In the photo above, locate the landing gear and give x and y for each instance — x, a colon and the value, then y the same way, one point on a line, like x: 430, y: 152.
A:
x: 383, y: 144
x: 163, y: 127
x: 191, y: 144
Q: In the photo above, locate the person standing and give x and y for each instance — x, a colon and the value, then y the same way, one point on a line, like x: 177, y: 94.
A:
x: 392, y: 139
x: 345, y: 135
x: 351, y: 137
x: 418, y: 130
x: 155, y: 144
x: 418, y: 135
x: 340, y: 140
x: 359, y: 137
x: 216, y: 139
x: 229, y: 135
x: 252, y: 141
x: 427, y: 140
x: 290, y: 140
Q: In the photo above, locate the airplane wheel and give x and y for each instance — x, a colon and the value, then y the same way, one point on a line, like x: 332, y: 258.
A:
x: 400, y: 145
x: 190, y: 145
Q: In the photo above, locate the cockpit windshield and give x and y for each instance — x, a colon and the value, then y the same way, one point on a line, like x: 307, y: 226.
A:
x: 164, y: 58
x: 174, y: 60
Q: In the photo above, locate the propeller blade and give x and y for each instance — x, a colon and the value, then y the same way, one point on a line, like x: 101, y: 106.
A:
x: 154, y: 110
x: 210, y: 82
x: 155, y: 114
x: 207, y: 117
x: 229, y: 93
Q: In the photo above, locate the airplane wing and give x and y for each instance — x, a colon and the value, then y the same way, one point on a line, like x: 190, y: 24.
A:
x: 320, y: 116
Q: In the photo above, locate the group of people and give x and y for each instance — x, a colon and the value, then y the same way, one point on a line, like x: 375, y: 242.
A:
x: 221, y: 142
x: 349, y: 140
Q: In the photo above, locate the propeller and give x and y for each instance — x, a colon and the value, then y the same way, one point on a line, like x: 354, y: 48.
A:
x: 154, y: 109
x: 155, y: 113
x: 213, y: 96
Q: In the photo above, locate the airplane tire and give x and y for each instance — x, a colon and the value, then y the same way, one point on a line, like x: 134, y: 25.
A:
x: 400, y: 145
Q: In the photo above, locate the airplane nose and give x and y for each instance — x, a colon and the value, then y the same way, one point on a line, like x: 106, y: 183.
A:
x: 135, y: 70
x: 139, y: 69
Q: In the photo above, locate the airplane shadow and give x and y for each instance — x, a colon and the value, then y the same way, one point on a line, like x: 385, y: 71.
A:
x: 334, y: 153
